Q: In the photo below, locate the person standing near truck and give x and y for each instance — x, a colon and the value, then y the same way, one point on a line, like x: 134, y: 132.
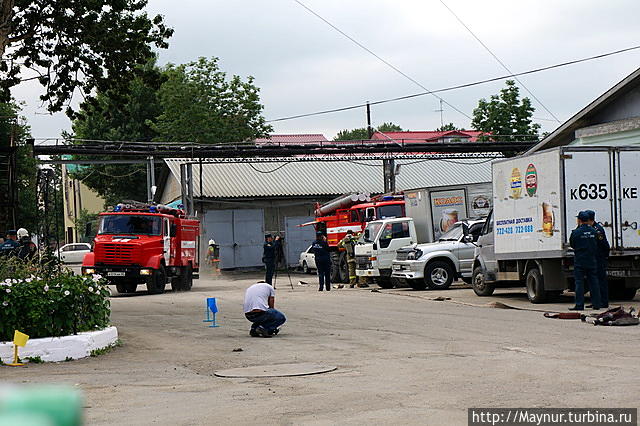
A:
x: 320, y: 250
x: 348, y: 243
x: 583, y: 242
x: 602, y: 256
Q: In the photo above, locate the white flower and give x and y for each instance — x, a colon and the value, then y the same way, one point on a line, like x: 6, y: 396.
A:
x: 91, y: 289
x: 8, y: 280
x: 14, y: 281
x: 8, y: 284
x: 46, y: 288
x: 5, y: 303
x: 8, y: 290
x: 66, y: 292
x: 28, y: 280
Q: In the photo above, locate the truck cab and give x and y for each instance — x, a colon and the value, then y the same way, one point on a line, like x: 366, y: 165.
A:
x: 377, y: 247
x: 147, y: 244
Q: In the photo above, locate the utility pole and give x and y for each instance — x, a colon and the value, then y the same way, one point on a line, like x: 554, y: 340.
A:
x: 440, y: 111
x: 369, y: 128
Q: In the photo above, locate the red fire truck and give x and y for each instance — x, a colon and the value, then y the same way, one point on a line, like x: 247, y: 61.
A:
x: 145, y: 244
x: 352, y: 212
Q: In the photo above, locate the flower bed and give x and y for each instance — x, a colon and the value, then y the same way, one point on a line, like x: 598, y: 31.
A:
x: 43, y: 300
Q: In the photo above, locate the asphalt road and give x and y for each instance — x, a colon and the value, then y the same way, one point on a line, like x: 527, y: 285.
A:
x: 401, y: 358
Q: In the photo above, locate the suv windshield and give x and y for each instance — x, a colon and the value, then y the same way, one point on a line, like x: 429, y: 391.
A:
x: 370, y: 232
x: 130, y: 224
x: 452, y: 234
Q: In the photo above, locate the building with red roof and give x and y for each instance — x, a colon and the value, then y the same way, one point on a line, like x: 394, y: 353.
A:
x: 429, y: 136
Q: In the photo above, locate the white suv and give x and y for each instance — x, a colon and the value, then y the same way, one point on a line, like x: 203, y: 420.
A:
x: 436, y: 265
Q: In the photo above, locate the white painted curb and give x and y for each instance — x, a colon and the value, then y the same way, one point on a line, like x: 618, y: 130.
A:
x: 54, y: 349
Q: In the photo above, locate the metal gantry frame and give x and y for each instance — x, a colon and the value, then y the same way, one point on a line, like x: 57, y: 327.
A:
x: 386, y: 151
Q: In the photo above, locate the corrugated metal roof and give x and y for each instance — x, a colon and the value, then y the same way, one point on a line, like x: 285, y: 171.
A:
x: 235, y: 180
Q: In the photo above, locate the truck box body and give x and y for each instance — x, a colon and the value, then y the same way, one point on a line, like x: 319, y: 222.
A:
x: 433, y: 209
x: 537, y: 197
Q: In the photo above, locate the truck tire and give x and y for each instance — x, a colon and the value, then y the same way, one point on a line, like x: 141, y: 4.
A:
x: 384, y: 282
x: 335, y: 267
x: 438, y: 275
x: 343, y: 268
x: 124, y: 288
x: 417, y: 284
x: 620, y: 292
x: 480, y: 286
x: 535, y: 286
x: 187, y: 278
x: 184, y: 281
x: 158, y: 281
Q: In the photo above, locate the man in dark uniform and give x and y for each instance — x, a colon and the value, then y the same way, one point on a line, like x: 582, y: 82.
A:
x: 10, y: 245
x: 583, y: 242
x: 321, y: 252
x: 602, y: 255
x: 269, y: 256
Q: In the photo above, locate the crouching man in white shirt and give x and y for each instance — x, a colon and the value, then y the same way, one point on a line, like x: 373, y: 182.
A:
x: 259, y: 302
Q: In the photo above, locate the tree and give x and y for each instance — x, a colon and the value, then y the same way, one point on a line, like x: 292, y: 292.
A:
x: 200, y: 104
x: 447, y: 128
x: 75, y: 45
x: 362, y: 133
x: 123, y: 118
x: 30, y: 203
x: 506, y: 116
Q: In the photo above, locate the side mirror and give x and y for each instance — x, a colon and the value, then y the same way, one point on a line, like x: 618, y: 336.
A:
x: 172, y: 230
x: 468, y: 238
x: 375, y: 246
x: 465, y: 229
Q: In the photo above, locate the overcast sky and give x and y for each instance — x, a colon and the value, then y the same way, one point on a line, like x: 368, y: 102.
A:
x: 303, y: 65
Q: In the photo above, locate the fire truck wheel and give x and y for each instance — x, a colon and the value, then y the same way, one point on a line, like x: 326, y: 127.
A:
x: 385, y: 282
x: 186, y: 278
x: 335, y: 268
x: 126, y: 287
x: 343, y: 268
x: 158, y: 282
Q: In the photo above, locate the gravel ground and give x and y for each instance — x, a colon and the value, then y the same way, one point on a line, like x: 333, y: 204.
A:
x: 402, y: 358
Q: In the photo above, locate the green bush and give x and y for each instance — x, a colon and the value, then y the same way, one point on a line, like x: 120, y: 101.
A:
x: 43, y: 300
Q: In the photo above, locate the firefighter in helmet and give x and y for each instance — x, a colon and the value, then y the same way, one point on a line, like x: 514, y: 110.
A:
x: 348, y: 244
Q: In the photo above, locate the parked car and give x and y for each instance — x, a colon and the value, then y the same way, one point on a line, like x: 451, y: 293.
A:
x: 437, y: 265
x: 307, y: 261
x: 73, y: 253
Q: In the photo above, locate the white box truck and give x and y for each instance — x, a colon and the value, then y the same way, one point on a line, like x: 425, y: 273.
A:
x: 430, y: 213
x: 536, y: 199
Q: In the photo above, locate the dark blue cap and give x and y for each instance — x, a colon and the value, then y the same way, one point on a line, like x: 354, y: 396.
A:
x: 591, y: 213
x: 583, y: 216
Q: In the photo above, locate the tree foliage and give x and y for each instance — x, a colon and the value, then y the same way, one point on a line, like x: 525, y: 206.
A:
x: 200, y: 104
x: 447, y: 128
x: 193, y: 102
x: 75, y: 45
x: 506, y: 116
x: 30, y: 208
x: 362, y: 133
x: 118, y: 117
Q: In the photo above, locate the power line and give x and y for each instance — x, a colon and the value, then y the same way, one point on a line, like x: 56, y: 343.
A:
x: 460, y: 86
x: 498, y: 59
x: 390, y: 65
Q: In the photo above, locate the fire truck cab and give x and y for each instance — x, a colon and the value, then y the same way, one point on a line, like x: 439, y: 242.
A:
x: 145, y: 244
x: 352, y: 212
